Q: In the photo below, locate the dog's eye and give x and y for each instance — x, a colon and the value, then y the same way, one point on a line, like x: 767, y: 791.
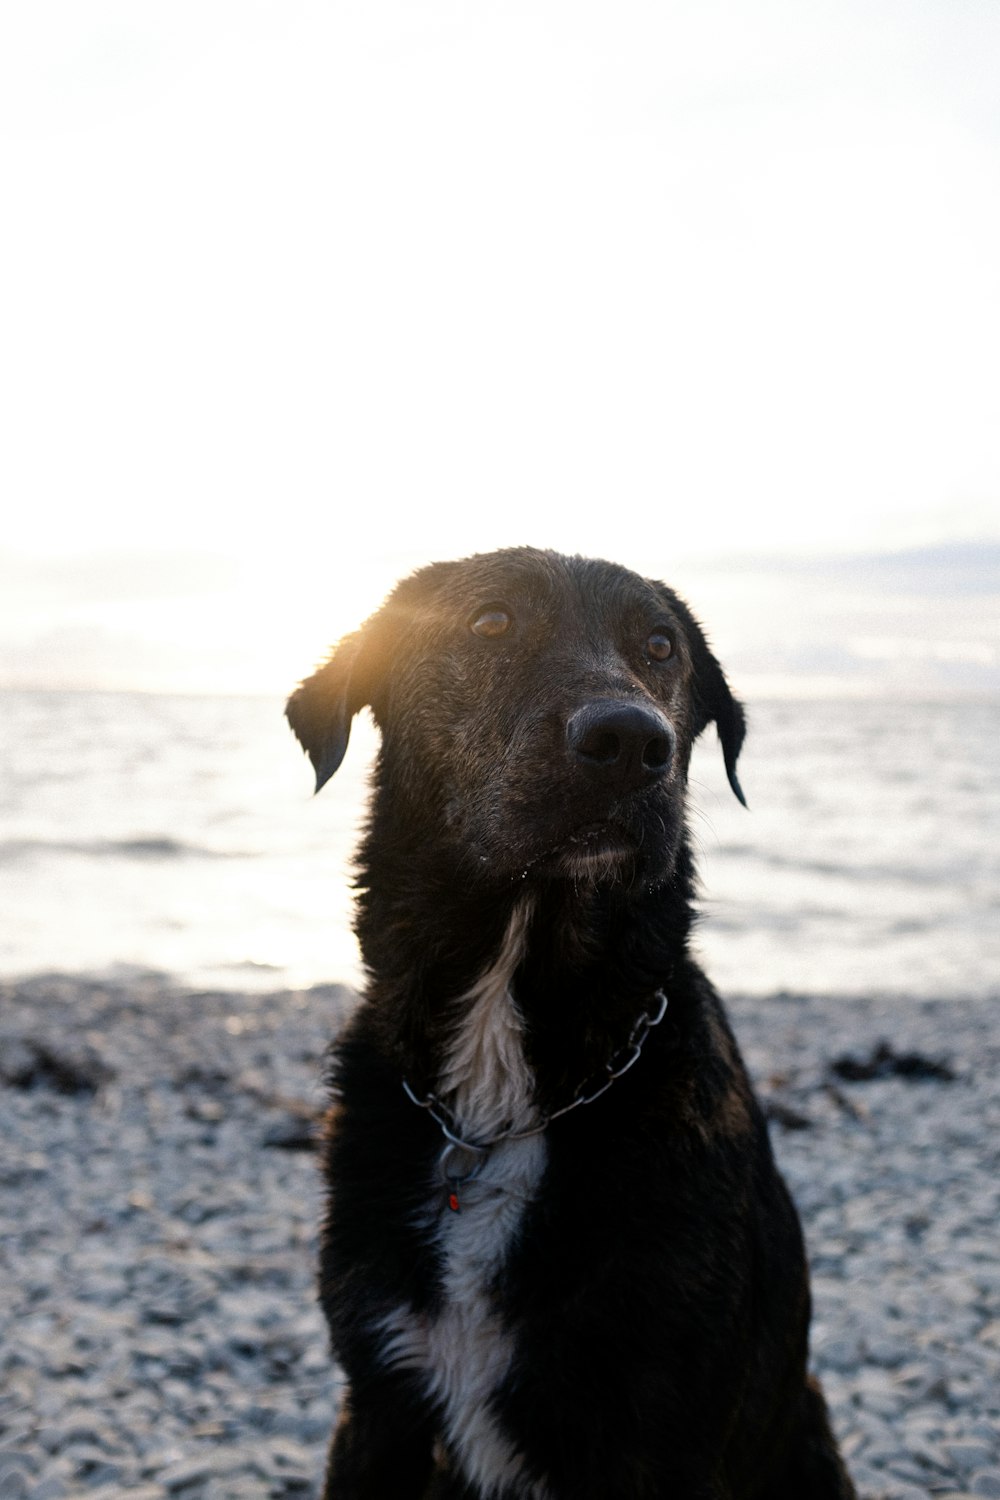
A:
x: 659, y: 646
x: 490, y: 622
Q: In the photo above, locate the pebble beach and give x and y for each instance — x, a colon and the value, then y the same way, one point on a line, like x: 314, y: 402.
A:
x: 159, y: 1204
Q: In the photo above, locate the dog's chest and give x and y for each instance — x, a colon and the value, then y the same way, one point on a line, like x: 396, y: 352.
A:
x: 464, y: 1351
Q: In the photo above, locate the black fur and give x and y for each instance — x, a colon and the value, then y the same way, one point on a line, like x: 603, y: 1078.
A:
x: 656, y: 1295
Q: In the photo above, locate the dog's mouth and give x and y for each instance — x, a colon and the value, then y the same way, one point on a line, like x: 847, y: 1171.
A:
x: 597, y: 850
x: 635, y: 839
x: 596, y: 838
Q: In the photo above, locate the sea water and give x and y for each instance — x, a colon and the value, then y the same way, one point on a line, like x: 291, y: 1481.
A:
x: 180, y: 834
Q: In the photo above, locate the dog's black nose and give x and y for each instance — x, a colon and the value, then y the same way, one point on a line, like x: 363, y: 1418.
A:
x: 626, y: 745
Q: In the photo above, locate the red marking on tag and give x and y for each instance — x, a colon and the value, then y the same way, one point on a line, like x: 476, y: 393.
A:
x: 453, y: 1202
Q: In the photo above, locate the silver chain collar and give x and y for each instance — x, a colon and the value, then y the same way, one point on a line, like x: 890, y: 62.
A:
x: 592, y: 1088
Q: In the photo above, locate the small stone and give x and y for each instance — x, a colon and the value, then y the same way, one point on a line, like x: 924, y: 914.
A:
x: 80, y: 1434
x: 889, y: 1353
x: 218, y: 1464
x: 904, y: 1469
x: 867, y: 1481
x: 234, y: 1487
x: 15, y: 1457
x: 883, y: 1455
x: 135, y: 1492
x: 986, y: 1482
x: 968, y: 1455
x: 54, y: 1488
x: 839, y: 1354
x: 96, y: 1471
x: 928, y: 1454
x: 158, y: 1460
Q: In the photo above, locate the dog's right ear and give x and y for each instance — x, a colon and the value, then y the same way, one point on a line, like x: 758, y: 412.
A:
x: 322, y: 707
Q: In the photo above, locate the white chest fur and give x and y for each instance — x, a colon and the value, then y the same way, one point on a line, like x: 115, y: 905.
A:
x: 464, y: 1353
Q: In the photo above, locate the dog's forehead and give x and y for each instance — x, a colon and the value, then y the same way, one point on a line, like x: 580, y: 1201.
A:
x: 530, y: 578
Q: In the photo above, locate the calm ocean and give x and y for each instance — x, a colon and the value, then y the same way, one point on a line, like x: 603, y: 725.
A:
x: 180, y: 834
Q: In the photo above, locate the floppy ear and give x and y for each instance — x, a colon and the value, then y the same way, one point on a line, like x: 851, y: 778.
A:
x: 714, y: 701
x: 322, y: 707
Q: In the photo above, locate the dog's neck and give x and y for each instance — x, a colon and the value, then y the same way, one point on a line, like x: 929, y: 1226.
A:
x: 549, y: 973
x: 485, y: 1078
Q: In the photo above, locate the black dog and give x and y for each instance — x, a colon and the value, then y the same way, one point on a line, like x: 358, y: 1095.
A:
x: 559, y: 1261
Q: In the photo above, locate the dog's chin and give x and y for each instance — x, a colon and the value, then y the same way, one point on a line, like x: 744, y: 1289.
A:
x: 597, y: 854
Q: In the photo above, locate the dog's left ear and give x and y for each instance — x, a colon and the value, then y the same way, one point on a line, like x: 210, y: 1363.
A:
x: 322, y: 707
x: 714, y: 701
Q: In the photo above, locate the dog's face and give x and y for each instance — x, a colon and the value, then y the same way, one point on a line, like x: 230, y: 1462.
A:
x: 539, y: 709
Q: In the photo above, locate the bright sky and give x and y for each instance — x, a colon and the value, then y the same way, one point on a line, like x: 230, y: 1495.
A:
x: 297, y: 295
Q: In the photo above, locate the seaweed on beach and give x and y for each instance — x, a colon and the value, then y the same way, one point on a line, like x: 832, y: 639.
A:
x: 883, y: 1061
x: 26, y: 1062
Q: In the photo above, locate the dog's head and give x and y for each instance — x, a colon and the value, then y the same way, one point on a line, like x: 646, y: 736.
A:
x: 537, y: 714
